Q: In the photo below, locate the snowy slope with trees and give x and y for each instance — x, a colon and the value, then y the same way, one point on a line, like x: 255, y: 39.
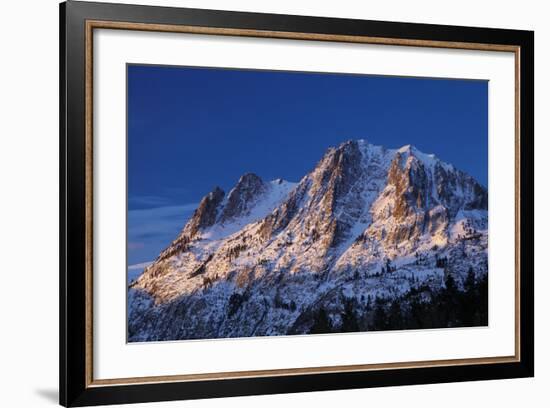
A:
x: 371, y: 239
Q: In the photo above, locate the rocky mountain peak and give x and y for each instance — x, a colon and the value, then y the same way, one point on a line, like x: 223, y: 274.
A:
x: 249, y: 180
x: 412, y: 185
x: 206, y: 213
x: 336, y: 173
x: 241, y: 198
x: 319, y: 205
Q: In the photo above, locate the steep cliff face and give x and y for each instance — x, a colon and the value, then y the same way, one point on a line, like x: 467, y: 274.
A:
x: 422, y: 197
x: 204, y: 216
x: 266, y: 258
x: 243, y: 197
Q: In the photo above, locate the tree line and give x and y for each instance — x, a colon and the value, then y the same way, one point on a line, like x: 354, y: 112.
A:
x: 422, y: 307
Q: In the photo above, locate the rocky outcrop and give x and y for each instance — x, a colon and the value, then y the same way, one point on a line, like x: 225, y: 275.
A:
x: 206, y: 214
x: 240, y: 200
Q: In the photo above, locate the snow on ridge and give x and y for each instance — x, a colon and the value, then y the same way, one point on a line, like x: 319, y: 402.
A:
x: 428, y: 159
x: 277, y: 191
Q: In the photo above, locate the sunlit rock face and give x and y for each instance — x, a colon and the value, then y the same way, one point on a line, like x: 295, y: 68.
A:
x: 275, y: 257
x: 243, y: 197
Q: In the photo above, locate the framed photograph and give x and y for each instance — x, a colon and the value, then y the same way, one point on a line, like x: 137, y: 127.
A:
x: 256, y: 203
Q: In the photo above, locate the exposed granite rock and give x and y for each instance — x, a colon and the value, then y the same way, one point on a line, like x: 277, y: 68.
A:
x: 205, y: 215
x: 243, y: 196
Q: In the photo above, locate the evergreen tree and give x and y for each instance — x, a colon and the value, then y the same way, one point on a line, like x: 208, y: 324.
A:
x: 292, y: 305
x: 483, y: 300
x: 449, y: 304
x: 380, y: 319
x: 395, y: 319
x: 468, y: 300
x: 369, y: 302
x: 349, y: 318
x: 450, y: 284
x: 321, y: 324
x: 416, y: 314
x: 470, y: 281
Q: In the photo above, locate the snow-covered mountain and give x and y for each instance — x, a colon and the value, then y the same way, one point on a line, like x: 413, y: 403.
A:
x: 366, y: 229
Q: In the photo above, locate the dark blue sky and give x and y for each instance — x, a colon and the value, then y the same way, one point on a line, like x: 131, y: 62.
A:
x: 190, y: 129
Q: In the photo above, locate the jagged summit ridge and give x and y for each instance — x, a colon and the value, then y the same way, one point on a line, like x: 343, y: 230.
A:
x: 219, y: 215
x: 361, y: 207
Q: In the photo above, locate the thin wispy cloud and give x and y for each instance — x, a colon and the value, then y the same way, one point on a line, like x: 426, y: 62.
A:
x: 176, y: 190
x: 135, y: 245
x: 139, y: 266
x: 148, y: 200
x: 150, y: 230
